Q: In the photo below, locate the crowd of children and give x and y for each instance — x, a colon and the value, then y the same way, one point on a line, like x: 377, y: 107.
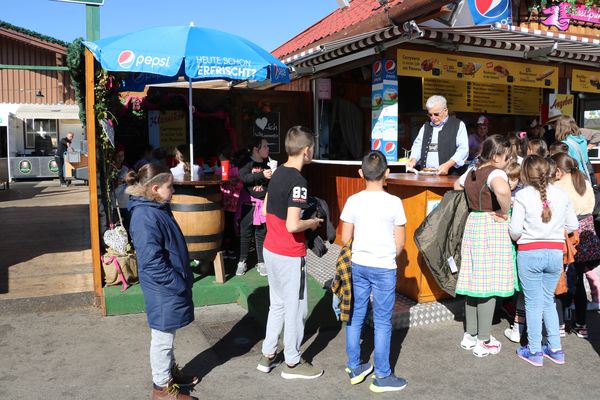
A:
x: 525, y: 200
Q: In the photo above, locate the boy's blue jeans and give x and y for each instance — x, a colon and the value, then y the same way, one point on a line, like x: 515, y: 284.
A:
x: 539, y: 271
x: 382, y: 283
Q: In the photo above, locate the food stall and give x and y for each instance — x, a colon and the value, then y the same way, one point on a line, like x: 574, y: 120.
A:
x: 31, y: 133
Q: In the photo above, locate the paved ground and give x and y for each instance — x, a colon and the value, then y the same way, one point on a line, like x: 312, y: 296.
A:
x: 45, y: 246
x: 78, y: 354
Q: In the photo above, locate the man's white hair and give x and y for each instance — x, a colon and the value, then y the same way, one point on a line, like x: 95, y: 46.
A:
x: 436, y: 100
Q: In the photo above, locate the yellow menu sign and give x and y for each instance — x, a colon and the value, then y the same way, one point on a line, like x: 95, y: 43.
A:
x: 477, y: 97
x: 474, y: 69
x: 585, y: 81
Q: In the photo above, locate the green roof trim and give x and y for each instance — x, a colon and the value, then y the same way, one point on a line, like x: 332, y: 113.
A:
x: 37, y: 35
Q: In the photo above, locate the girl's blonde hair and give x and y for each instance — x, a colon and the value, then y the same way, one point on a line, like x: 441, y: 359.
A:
x: 563, y: 128
x: 180, y: 156
x: 534, y: 172
x: 141, y: 182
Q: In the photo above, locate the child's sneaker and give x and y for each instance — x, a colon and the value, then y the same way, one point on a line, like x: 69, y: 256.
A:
x: 536, y: 359
x: 580, y: 330
x: 241, y: 268
x: 468, y: 341
x: 390, y: 383
x: 261, y: 268
x: 513, y: 334
x: 556, y: 356
x: 491, y: 346
x: 302, y: 370
x: 266, y: 364
x: 358, y: 374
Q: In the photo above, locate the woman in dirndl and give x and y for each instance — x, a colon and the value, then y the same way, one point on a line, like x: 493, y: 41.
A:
x: 487, y: 265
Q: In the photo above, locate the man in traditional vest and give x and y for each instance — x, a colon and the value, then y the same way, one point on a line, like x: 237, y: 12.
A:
x: 442, y: 143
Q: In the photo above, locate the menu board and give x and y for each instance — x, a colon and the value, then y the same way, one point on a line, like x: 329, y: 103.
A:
x: 477, y: 97
x: 585, y: 81
x: 524, y: 100
x: 474, y: 69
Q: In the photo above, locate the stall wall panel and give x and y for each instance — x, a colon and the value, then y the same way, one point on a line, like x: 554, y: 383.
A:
x: 20, y: 86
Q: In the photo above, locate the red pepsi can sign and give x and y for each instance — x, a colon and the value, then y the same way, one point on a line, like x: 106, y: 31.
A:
x: 377, y: 75
x: 486, y: 12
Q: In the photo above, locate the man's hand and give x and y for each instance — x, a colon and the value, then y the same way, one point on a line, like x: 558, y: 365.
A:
x: 443, y: 169
x: 411, y: 163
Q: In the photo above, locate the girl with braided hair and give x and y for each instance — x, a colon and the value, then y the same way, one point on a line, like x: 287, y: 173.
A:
x: 541, y: 214
x: 581, y: 194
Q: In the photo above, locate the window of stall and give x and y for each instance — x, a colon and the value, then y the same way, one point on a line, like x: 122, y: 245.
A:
x: 41, y: 135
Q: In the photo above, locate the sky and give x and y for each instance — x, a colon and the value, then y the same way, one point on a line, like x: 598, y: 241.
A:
x: 268, y: 23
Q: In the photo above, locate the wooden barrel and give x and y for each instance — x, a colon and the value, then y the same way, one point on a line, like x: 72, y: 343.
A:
x: 199, y: 212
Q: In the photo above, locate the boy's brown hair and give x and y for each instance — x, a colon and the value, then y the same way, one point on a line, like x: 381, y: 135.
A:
x: 297, y: 138
x: 513, y: 170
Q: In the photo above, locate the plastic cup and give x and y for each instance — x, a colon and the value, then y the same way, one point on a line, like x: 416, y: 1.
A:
x: 273, y: 164
x: 225, y: 170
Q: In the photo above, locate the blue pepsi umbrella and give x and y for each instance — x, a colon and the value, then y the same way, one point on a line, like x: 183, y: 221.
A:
x: 164, y: 54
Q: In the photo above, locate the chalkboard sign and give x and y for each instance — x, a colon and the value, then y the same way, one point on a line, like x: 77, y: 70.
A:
x: 267, y: 126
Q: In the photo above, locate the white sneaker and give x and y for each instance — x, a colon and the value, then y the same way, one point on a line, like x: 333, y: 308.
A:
x: 483, y: 349
x: 241, y: 268
x: 513, y: 335
x: 468, y: 341
x: 261, y: 268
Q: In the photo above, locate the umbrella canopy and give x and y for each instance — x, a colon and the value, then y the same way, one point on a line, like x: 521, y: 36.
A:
x: 190, y: 51
x: 164, y: 54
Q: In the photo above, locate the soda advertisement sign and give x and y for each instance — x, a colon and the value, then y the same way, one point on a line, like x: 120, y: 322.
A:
x: 491, y: 11
x: 585, y: 81
x: 384, y: 109
x: 475, y: 69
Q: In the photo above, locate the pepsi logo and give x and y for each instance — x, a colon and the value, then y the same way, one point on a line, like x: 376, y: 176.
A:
x: 377, y: 144
x: 390, y: 66
x: 377, y: 67
x: 126, y: 59
x: 491, y: 8
x: 390, y: 147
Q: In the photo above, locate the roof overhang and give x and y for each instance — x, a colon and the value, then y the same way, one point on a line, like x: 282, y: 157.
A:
x: 514, y: 41
x: 47, y: 111
x: 501, y: 40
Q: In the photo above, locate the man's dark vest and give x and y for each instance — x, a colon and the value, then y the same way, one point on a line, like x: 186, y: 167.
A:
x: 446, y: 140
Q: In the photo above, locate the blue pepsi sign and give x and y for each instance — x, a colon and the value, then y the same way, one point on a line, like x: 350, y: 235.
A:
x: 491, y: 11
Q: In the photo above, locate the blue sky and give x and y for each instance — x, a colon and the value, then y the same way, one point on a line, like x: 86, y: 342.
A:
x: 268, y: 23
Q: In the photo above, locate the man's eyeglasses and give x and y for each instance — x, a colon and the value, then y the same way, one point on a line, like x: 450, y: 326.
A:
x: 436, y: 114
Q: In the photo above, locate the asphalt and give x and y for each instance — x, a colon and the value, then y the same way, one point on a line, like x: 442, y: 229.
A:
x: 78, y: 354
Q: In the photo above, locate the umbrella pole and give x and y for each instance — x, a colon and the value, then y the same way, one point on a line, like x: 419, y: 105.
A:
x: 191, y: 117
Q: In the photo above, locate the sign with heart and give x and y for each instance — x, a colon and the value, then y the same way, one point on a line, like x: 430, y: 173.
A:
x: 266, y: 125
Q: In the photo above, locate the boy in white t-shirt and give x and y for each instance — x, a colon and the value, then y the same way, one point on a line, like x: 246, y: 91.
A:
x: 375, y: 220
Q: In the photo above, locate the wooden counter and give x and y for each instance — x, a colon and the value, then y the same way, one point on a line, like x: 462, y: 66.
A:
x: 335, y: 182
x: 418, y: 193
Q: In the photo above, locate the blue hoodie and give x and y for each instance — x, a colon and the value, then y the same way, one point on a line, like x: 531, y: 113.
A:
x: 578, y: 146
x: 163, y: 265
